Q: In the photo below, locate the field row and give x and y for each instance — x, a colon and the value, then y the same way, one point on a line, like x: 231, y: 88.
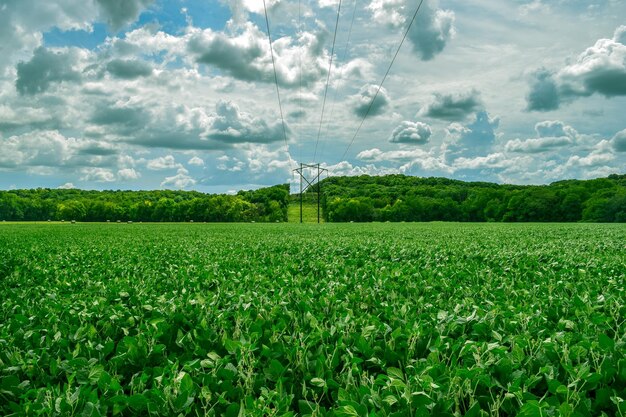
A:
x: 330, y: 320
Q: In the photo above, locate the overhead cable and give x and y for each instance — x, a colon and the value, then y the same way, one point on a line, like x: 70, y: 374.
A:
x: 369, y: 108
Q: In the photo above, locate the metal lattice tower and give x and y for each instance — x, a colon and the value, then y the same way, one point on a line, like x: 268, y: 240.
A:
x: 310, y: 181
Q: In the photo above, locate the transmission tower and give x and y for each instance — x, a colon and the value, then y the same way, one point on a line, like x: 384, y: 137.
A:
x: 308, y: 181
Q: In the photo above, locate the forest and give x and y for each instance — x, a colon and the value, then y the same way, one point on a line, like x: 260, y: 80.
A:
x: 393, y: 198
x: 412, y: 199
x: 263, y: 205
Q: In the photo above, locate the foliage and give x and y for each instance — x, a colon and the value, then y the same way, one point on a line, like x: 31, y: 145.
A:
x: 338, y: 320
x: 404, y: 198
x: 265, y: 204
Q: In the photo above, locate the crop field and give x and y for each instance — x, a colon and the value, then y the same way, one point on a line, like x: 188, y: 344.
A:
x: 312, y: 320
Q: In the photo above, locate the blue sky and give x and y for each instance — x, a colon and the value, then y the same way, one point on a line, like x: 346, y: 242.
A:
x: 150, y: 94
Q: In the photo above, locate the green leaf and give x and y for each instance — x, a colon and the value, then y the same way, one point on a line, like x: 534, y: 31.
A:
x: 318, y: 382
x: 606, y: 343
x: 531, y: 409
x: 138, y: 402
x: 90, y: 410
x: 346, y: 411
x: 395, y: 373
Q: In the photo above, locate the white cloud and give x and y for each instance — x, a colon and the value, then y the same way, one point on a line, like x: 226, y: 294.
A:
x: 601, y: 69
x: 619, y: 141
x: 119, y: 13
x: 591, y: 160
x: 128, y: 174
x: 495, y: 160
x: 97, y: 175
x: 432, y: 29
x: 538, y: 144
x: 362, y: 103
x: 52, y: 149
x: 163, y: 162
x: 246, y: 56
x: 452, y: 106
x: 230, y: 125
x: 180, y: 181
x: 389, y: 12
x: 415, y: 133
x: 550, y: 135
x: 23, y: 22
x: 66, y: 186
x: 554, y: 128
x: 196, y: 161
x: 376, y: 155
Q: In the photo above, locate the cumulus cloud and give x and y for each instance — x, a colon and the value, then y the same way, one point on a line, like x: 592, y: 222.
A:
x: 391, y: 12
x: 377, y: 155
x: 550, y: 135
x: 537, y: 145
x: 16, y: 118
x: 362, y: 102
x: 95, y: 148
x: 66, y: 186
x: 241, y: 8
x: 246, y: 55
x: 620, y: 35
x: 619, y: 141
x: 593, y: 160
x: 231, y: 125
x: 494, y: 160
x: 554, y: 128
x: 50, y: 148
x: 128, y: 174
x: 415, y: 133
x: 119, y: 13
x: 543, y: 94
x: 119, y: 115
x: 163, y: 162
x: 409, y: 161
x: 432, y: 29
x: 453, y: 106
x: 23, y: 22
x: 97, y: 175
x: 185, y: 128
x: 35, y: 149
x: 601, y: 69
x: 196, y: 161
x: 345, y: 168
x: 473, y: 140
x: 455, y: 131
x: 45, y: 68
x: 128, y: 69
x: 328, y: 3
x: 179, y: 181
x: 235, y: 55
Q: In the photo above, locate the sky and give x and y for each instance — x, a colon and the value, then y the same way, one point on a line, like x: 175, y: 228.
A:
x: 182, y: 94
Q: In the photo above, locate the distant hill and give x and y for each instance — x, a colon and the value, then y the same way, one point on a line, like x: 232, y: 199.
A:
x: 405, y: 198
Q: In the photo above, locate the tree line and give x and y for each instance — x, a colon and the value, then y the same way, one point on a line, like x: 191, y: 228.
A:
x: 404, y: 198
x: 41, y: 204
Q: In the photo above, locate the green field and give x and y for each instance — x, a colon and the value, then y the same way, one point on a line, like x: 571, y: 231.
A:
x: 309, y: 213
x: 332, y: 320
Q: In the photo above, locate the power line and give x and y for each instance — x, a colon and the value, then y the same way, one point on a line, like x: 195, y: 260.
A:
x: 369, y: 108
x: 343, y: 59
x: 300, y: 65
x: 330, y: 66
x: 280, y: 106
